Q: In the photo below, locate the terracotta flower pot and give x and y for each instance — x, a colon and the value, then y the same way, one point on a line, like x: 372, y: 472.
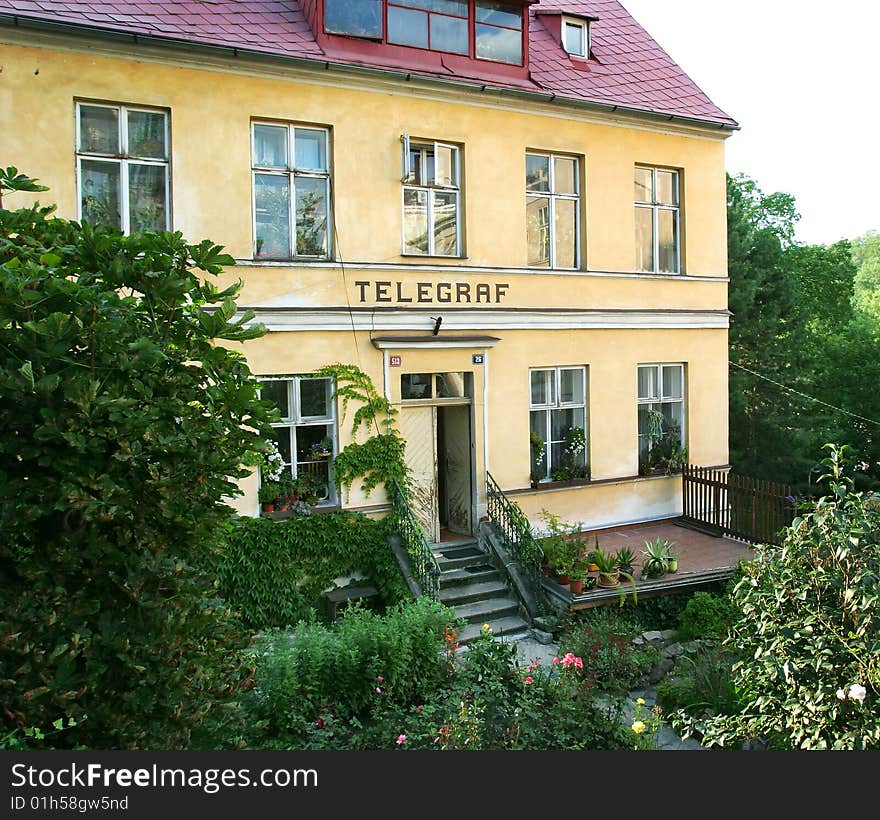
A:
x: 576, y: 586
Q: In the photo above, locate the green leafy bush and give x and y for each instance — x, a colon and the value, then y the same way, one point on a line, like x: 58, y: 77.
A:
x: 273, y: 572
x: 604, y: 639
x: 808, y: 627
x: 706, y: 616
x: 341, y: 669
x: 124, y: 426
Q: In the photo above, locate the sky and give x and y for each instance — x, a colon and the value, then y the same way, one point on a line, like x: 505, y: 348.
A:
x: 802, y: 79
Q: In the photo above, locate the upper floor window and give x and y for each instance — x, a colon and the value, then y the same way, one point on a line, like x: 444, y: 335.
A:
x: 122, y: 166
x: 431, y: 198
x: 576, y: 37
x: 657, y: 220
x: 291, y: 191
x: 552, y: 211
x: 476, y: 28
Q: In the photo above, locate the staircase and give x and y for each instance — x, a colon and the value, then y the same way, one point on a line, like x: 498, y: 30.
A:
x: 472, y: 584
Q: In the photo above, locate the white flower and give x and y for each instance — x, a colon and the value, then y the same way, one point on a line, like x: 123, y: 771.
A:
x: 857, y: 692
x: 841, y: 695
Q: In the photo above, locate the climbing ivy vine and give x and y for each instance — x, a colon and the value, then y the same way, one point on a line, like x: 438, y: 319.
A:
x: 378, y: 459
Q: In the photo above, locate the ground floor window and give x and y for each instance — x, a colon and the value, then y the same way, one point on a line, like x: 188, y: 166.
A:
x: 661, y: 416
x: 558, y: 423
x: 306, y: 434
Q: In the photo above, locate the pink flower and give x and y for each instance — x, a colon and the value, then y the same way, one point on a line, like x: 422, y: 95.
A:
x: 401, y: 739
x: 379, y: 678
x: 529, y: 679
x: 420, y: 708
x: 578, y: 662
x: 378, y: 691
x: 555, y: 660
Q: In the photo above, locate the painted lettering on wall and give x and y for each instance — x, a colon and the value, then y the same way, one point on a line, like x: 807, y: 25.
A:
x: 427, y: 293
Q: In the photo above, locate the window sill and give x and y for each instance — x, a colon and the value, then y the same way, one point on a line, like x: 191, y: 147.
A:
x: 431, y: 256
x: 317, y: 509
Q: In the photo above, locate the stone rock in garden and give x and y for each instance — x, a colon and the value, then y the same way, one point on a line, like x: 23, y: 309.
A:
x: 546, y: 624
x: 673, y: 650
x: 638, y: 640
x: 668, y: 634
x: 692, y: 647
x: 659, y: 669
x: 652, y: 636
x: 542, y: 637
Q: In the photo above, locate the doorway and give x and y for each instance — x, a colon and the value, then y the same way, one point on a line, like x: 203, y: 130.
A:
x: 439, y: 454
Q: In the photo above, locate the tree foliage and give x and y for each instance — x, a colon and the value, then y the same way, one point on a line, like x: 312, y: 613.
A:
x: 124, y: 426
x: 808, y: 629
x: 802, y: 350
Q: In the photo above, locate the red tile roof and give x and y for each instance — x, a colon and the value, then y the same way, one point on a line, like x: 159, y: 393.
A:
x: 629, y: 70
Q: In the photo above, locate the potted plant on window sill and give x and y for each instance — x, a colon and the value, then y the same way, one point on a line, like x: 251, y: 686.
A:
x: 536, y: 444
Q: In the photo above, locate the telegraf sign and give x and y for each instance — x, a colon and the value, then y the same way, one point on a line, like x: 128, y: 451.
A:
x: 426, y: 293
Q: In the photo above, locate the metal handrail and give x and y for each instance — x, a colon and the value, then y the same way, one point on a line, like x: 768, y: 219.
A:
x: 513, y: 527
x: 422, y: 561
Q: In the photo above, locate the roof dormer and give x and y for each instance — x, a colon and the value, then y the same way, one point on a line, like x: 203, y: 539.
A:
x: 571, y: 29
x: 470, y: 37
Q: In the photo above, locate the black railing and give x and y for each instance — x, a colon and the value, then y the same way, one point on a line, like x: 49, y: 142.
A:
x: 513, y: 528
x: 422, y: 562
x: 728, y: 504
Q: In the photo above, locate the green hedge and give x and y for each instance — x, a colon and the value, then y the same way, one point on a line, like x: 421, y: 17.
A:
x: 273, y: 572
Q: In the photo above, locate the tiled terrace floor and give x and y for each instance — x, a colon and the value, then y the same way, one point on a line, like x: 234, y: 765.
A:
x: 702, y: 559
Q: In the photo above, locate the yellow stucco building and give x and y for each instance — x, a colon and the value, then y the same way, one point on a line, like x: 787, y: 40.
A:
x: 511, y: 215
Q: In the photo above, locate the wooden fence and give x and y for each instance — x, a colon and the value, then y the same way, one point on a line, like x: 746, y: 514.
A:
x: 729, y: 504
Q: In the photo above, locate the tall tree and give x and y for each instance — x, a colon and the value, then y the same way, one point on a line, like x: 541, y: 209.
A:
x: 766, y: 334
x: 122, y: 427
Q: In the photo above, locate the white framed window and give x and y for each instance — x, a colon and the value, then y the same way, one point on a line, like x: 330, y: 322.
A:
x: 657, y: 200
x: 661, y: 409
x: 122, y: 159
x: 553, y: 211
x: 306, y: 435
x: 558, y: 423
x: 431, y: 198
x: 576, y: 37
x: 291, y: 172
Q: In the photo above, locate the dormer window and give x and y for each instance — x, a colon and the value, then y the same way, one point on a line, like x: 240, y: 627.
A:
x: 576, y: 37
x: 358, y: 18
x: 478, y: 29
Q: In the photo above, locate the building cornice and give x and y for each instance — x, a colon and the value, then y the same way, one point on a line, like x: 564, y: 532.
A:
x: 382, y: 319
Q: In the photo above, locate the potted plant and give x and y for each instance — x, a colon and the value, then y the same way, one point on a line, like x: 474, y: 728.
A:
x: 269, y: 491
x: 656, y: 558
x: 321, y: 450
x: 577, y: 575
x: 671, y: 559
x: 609, y: 574
x: 536, y: 444
x: 625, y: 557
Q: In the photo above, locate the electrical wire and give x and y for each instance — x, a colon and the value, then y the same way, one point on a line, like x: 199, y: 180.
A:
x: 804, y: 395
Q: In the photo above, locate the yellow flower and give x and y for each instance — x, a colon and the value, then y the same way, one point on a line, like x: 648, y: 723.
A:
x: 640, y: 701
x: 638, y: 727
x: 487, y: 628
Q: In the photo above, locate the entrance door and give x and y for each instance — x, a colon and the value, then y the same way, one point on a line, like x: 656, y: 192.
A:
x: 454, y: 448
x: 418, y: 426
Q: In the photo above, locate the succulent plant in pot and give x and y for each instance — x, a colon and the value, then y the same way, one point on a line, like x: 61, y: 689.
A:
x: 609, y: 574
x: 656, y: 561
x: 625, y: 557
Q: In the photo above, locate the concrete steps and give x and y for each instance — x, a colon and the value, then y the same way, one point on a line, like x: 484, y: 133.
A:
x: 477, y: 590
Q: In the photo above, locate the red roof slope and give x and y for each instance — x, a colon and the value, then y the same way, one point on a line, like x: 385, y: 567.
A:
x: 629, y: 71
